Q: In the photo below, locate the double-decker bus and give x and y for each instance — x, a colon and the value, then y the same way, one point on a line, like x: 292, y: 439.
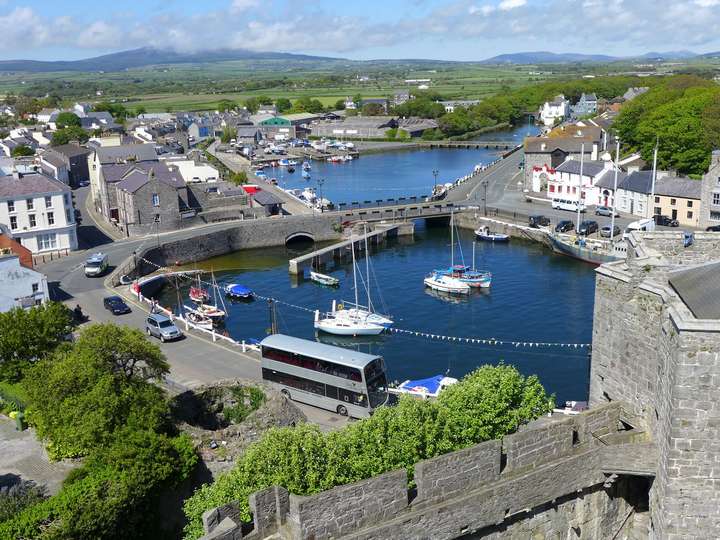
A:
x: 341, y: 380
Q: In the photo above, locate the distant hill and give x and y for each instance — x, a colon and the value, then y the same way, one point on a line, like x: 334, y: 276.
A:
x: 546, y: 57
x: 669, y: 55
x: 148, y: 56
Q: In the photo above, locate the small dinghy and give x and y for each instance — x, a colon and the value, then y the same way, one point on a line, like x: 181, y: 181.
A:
x: 429, y: 388
x: 200, y: 321
x: 207, y: 311
x: 324, y: 279
x: 484, y: 234
x: 238, y: 292
x: 447, y: 284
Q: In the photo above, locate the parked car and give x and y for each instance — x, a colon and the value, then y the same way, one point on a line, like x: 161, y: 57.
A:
x: 713, y: 228
x: 162, y: 328
x: 538, y: 221
x: 665, y: 221
x: 605, y: 211
x: 116, y: 305
x: 564, y: 226
x: 605, y: 231
x: 588, y: 227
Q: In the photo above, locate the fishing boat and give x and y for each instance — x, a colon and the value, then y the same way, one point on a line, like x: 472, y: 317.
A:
x: 469, y: 275
x: 443, y: 283
x: 589, y: 251
x: 484, y: 234
x: 198, y: 294
x: 199, y: 320
x: 306, y: 166
x: 324, y: 279
x: 429, y: 388
x: 238, y: 292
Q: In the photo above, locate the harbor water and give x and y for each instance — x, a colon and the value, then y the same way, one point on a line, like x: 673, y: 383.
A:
x: 536, y: 296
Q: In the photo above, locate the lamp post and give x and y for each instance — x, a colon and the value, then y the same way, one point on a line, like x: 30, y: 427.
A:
x: 435, y: 175
x: 320, y: 183
x: 485, y: 183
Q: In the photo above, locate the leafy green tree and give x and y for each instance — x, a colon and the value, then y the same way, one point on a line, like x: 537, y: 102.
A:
x: 264, y: 100
x: 373, y: 109
x: 227, y: 135
x: 67, y: 119
x: 29, y: 335
x: 391, y: 133
x: 283, y: 105
x: 226, y: 105
x: 69, y: 134
x: 118, y: 111
x: 252, y: 105
x: 22, y: 150
x: 239, y: 177
x: 432, y: 135
x: 308, y: 104
x: 340, y: 105
x: 140, y: 110
x: 15, y: 498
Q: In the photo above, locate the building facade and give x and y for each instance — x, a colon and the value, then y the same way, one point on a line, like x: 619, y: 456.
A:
x: 37, y: 212
x: 20, y: 286
x: 553, y: 111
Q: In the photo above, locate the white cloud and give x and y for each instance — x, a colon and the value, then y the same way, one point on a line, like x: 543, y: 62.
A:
x: 483, y: 10
x: 241, y: 6
x: 507, y: 5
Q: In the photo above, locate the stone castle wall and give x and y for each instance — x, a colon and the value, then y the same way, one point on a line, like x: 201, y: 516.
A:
x: 543, y: 480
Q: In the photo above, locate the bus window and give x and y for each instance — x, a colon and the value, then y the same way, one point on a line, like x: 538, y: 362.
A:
x: 377, y: 390
x: 331, y: 391
x: 354, y: 398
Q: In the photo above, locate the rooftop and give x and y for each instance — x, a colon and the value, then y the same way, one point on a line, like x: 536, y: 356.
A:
x: 321, y: 351
x: 589, y: 168
x: 671, y: 186
x: 29, y: 184
x: 124, y: 152
x: 698, y: 288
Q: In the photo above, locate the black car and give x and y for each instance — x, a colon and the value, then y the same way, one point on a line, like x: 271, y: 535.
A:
x: 564, y: 226
x: 538, y: 221
x: 666, y: 221
x: 713, y: 228
x: 116, y: 305
x: 588, y: 227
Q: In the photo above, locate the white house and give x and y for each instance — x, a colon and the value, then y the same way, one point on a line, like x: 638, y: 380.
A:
x: 20, y: 286
x: 38, y: 212
x: 565, y: 182
x: 554, y: 110
x: 193, y: 172
x: 45, y: 114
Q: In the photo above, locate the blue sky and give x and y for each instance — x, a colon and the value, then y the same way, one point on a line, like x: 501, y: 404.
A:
x: 452, y: 30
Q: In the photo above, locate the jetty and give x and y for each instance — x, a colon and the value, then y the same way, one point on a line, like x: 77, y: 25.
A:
x: 340, y: 250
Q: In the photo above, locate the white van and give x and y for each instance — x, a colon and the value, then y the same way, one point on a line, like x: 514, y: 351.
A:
x: 640, y: 225
x: 565, y: 204
x: 96, y: 265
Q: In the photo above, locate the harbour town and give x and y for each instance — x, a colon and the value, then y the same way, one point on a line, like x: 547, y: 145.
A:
x: 431, y: 313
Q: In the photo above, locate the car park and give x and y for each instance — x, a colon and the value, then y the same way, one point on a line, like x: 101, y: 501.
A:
x: 564, y: 226
x: 116, y: 305
x: 161, y: 327
x: 605, y: 231
x: 588, y: 227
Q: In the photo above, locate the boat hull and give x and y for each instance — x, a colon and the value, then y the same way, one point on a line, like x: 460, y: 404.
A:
x: 581, y: 253
x: 497, y: 238
x: 322, y: 279
x: 445, y: 287
x: 349, y: 330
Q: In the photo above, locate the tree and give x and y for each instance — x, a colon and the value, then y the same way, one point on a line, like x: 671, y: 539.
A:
x: 66, y: 135
x: 283, y: 105
x: 373, y: 109
x: 127, y: 351
x: 227, y: 135
x: 118, y: 111
x: 22, y: 150
x: 140, y: 110
x: 67, y: 119
x: 226, y: 105
x: 340, y: 105
x: 238, y: 178
x: 264, y: 100
x: 29, y: 335
x: 252, y: 105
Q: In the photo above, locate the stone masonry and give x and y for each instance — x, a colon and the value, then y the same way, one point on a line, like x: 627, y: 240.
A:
x: 555, y: 478
x: 651, y: 351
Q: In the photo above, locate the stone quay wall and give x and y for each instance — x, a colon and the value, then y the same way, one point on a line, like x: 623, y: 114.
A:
x: 543, y: 480
x: 649, y: 350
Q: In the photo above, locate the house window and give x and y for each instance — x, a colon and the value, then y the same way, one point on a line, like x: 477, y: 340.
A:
x: 48, y: 202
x: 552, y: 188
x: 30, y: 204
x: 155, y: 199
x: 33, y: 222
x: 13, y: 222
x: 46, y: 241
x: 714, y: 216
x: 689, y: 204
x: 11, y: 206
x: 35, y: 287
x: 689, y: 215
x: 716, y: 199
x: 67, y: 200
x: 68, y: 216
x: 658, y: 211
x: 51, y: 218
x: 673, y: 202
x: 657, y: 200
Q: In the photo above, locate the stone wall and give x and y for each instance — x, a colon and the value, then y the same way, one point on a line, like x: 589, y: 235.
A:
x: 553, y: 466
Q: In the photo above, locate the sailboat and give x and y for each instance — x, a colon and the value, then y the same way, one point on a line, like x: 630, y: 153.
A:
x: 198, y: 293
x: 447, y: 284
x: 210, y: 310
x: 466, y: 274
x: 357, y: 311
x: 349, y: 322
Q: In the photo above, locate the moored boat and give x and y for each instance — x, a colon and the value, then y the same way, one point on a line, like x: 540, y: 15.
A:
x: 306, y: 174
x: 199, y: 320
x: 589, y: 251
x: 484, y: 234
x: 473, y: 278
x: 291, y: 169
x: 324, y: 279
x: 306, y: 166
x: 238, y: 292
x: 198, y: 294
x: 447, y: 284
x: 210, y: 311
x: 429, y: 388
x: 343, y: 326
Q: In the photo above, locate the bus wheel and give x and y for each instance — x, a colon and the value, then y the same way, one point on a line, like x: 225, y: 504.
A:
x: 285, y: 393
x: 342, y: 410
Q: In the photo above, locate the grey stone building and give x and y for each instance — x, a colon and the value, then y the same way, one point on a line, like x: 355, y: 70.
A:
x: 553, y: 151
x: 73, y: 158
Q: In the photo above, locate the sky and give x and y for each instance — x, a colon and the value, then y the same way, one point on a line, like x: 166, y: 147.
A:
x: 367, y: 29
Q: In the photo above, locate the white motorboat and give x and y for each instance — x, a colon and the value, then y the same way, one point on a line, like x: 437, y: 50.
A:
x: 198, y: 320
x: 343, y: 326
x: 446, y: 284
x: 324, y: 279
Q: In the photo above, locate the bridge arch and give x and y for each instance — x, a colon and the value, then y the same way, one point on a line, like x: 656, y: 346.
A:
x: 299, y: 237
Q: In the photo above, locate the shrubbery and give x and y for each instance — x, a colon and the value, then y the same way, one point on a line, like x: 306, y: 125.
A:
x: 486, y: 404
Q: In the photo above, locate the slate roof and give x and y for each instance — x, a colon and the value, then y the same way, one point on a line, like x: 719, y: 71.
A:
x: 265, y: 198
x: 53, y: 159
x: 139, y: 176
x: 670, y: 186
x: 138, y: 152
x: 639, y: 182
x: 247, y: 131
x: 71, y: 150
x: 567, y: 144
x: 608, y: 180
x: 589, y: 168
x: 114, y: 172
x: 29, y: 184
x: 699, y: 289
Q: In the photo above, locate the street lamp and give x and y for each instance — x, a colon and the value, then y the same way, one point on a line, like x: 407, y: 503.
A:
x: 435, y: 175
x: 320, y: 183
x: 485, y: 183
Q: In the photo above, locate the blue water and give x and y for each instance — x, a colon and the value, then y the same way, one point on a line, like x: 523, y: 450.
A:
x: 536, y: 296
x: 395, y: 174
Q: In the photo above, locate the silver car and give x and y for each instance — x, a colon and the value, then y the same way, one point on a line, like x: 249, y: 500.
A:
x: 162, y: 328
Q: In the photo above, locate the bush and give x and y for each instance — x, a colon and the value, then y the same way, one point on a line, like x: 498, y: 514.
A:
x: 13, y: 397
x: 249, y: 400
x: 486, y: 404
x: 17, y: 497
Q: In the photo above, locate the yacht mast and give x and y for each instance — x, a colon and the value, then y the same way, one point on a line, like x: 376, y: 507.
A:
x: 367, y: 268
